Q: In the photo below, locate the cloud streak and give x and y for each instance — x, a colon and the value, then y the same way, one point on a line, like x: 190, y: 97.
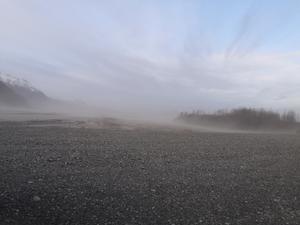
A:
x: 129, y: 55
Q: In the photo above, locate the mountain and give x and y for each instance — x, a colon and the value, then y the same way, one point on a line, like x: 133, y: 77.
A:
x: 19, y: 92
x: 9, y: 98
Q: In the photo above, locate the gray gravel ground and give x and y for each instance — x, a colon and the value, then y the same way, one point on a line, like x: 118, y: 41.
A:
x: 61, y: 175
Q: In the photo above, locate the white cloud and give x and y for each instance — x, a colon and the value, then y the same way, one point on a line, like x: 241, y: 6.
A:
x: 151, y: 59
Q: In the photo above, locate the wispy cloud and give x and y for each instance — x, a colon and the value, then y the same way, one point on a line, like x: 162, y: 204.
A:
x: 132, y: 54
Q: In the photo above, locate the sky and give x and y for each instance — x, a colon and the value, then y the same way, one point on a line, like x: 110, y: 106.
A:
x: 156, y: 57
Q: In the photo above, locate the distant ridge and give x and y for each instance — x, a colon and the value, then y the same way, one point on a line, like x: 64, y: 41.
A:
x: 18, y: 92
x: 9, y: 98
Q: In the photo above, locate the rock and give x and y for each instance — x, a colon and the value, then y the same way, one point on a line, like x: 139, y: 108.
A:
x: 36, y: 198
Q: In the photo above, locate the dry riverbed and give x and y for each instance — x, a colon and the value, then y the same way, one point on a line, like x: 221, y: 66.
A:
x: 62, y: 172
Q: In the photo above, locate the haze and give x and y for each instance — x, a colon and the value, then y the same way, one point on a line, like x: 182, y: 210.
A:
x: 156, y: 57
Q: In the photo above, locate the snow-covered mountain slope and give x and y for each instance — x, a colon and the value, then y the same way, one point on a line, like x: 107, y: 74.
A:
x: 13, y: 81
x: 10, y: 98
x: 21, y: 89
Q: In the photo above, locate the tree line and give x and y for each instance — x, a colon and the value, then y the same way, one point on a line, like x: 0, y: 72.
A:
x: 246, y: 118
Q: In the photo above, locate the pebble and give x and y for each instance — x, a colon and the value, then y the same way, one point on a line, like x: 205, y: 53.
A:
x: 36, y: 198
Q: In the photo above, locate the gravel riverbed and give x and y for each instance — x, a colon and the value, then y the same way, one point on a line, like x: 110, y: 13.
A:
x: 54, y: 174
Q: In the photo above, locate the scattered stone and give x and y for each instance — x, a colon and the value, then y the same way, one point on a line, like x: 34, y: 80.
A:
x: 36, y: 198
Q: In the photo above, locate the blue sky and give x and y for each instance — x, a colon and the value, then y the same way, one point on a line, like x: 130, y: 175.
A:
x: 147, y: 55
